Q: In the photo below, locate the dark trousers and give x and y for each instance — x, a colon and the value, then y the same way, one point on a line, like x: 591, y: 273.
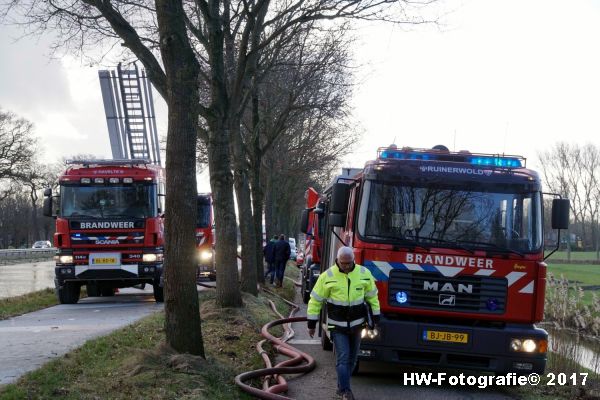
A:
x: 346, y: 354
x: 280, y: 268
x: 271, y: 271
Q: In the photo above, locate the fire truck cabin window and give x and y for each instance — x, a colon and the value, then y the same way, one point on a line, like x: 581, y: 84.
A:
x: 137, y: 200
x: 478, y: 217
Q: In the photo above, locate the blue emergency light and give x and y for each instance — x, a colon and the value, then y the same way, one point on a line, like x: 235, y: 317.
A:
x: 483, y: 160
x: 399, y: 155
x: 504, y: 162
x: 401, y: 297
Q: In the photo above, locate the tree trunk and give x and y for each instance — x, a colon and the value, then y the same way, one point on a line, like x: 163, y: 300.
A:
x: 269, y: 222
x: 256, y: 189
x: 257, y: 213
x: 182, y: 315
x: 34, y: 217
x: 244, y: 203
x: 221, y: 183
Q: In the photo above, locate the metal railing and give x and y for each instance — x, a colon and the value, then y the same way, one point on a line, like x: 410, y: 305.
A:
x: 12, y: 256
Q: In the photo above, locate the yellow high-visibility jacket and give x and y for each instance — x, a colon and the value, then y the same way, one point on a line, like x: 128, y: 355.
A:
x: 345, y: 295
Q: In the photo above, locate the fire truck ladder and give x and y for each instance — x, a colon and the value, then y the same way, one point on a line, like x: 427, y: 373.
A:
x: 129, y: 108
x: 133, y: 110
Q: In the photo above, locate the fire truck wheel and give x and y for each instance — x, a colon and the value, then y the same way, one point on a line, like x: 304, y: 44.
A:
x: 159, y: 295
x: 355, y: 371
x: 92, y: 290
x: 107, y: 291
x: 305, y: 292
x: 69, y: 294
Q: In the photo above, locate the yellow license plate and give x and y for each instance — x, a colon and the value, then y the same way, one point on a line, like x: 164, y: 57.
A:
x: 450, y: 337
x: 105, y: 260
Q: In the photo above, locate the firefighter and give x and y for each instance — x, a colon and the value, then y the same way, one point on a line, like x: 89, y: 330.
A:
x: 345, y: 287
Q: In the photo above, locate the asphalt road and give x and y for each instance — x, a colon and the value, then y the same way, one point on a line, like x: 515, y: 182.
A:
x: 376, y: 381
x: 30, y: 340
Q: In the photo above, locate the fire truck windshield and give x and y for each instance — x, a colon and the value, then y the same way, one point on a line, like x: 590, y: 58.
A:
x: 137, y: 200
x: 203, y: 214
x: 442, y: 216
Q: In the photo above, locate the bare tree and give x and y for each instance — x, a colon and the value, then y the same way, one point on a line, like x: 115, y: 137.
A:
x: 572, y: 170
x: 17, y: 144
x: 300, y: 82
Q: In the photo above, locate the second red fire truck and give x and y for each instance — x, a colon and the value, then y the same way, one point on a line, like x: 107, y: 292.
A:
x: 455, y: 241
x: 205, y: 238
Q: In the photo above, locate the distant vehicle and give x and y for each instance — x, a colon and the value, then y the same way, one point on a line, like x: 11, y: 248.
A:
x: 42, y: 244
x: 299, y: 259
x: 292, y: 243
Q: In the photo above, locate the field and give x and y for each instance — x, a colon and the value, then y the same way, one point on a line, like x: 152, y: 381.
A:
x: 575, y: 256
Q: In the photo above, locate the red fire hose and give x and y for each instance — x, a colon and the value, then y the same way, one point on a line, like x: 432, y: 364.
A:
x: 299, y: 362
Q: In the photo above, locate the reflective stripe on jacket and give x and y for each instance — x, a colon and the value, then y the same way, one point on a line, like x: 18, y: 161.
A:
x: 345, y: 295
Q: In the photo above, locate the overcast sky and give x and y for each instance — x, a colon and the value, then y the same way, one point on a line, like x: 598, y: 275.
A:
x: 499, y: 76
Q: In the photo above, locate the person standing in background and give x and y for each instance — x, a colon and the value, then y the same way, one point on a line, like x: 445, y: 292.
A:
x: 282, y: 255
x: 269, y: 254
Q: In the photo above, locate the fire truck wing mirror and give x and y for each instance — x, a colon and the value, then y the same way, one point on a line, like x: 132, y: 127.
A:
x: 47, y: 210
x: 336, y: 219
x: 560, y: 213
x: 304, y: 222
x: 47, y: 192
x: 340, y: 193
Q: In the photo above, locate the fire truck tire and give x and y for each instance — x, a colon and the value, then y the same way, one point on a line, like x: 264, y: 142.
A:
x: 92, y: 290
x: 305, y: 292
x: 356, y: 371
x: 69, y: 294
x: 107, y: 291
x: 159, y: 294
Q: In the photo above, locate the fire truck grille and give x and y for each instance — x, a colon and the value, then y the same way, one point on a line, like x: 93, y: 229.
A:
x: 432, y: 290
x: 107, y: 238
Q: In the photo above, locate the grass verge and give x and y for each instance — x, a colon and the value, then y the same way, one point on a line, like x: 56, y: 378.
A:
x: 18, y: 305
x: 549, y: 388
x: 134, y: 363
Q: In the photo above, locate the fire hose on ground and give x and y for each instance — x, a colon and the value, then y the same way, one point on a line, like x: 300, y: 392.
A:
x: 298, y: 362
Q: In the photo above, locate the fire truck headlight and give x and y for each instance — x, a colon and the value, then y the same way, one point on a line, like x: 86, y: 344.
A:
x: 369, y: 333
x: 516, y: 344
x: 65, y: 259
x: 529, y: 345
x: 206, y: 255
x: 150, y: 257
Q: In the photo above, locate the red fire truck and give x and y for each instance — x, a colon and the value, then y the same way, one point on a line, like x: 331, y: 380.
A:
x: 311, y: 266
x: 314, y: 232
x: 455, y: 243
x: 109, y: 227
x: 205, y: 238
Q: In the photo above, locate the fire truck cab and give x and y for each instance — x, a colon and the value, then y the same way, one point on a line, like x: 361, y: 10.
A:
x: 205, y: 238
x: 454, y: 241
x: 109, y: 227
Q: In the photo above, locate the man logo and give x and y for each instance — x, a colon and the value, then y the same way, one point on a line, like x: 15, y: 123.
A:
x: 447, y: 300
x: 447, y: 287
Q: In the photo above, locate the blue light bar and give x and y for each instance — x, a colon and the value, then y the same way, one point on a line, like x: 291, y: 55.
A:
x: 503, y: 162
x: 482, y: 160
x: 402, y: 155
